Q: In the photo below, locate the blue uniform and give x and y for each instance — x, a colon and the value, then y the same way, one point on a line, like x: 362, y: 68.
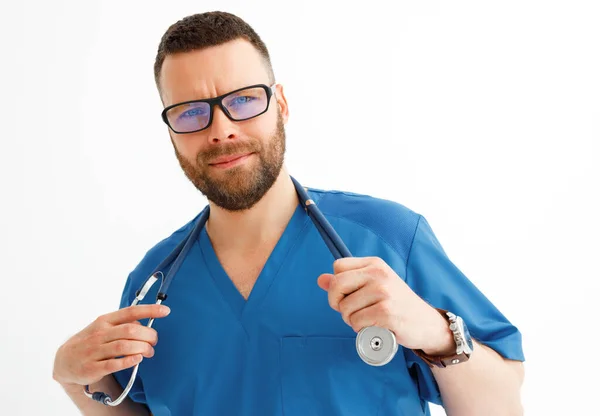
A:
x: 284, y: 351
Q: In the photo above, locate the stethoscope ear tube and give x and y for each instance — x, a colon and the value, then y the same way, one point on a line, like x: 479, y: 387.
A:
x: 139, y: 296
x: 328, y: 242
x: 375, y: 346
x: 178, y: 255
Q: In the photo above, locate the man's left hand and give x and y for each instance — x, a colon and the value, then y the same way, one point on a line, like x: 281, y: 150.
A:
x: 367, y: 292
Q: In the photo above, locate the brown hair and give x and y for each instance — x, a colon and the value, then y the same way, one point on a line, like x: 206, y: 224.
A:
x: 204, y: 30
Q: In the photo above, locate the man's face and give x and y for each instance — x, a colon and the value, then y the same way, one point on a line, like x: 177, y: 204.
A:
x: 233, y: 163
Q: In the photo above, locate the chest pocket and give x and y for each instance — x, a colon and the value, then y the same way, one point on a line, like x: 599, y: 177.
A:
x: 325, y: 376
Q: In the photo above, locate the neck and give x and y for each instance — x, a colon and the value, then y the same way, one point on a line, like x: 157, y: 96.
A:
x: 263, y: 223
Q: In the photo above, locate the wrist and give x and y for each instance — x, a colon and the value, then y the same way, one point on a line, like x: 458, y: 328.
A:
x: 449, y: 346
x: 442, y: 339
x: 71, y: 388
x: 65, y: 385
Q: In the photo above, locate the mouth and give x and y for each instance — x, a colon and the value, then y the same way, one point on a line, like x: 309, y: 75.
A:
x: 230, y: 160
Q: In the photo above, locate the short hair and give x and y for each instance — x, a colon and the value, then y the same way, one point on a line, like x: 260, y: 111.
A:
x: 204, y: 30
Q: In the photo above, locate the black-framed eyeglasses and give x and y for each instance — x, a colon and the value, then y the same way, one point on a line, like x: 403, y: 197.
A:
x: 241, y: 104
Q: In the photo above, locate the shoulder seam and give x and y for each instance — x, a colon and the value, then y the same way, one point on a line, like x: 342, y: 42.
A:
x: 326, y: 192
x: 408, y: 257
x: 394, y: 249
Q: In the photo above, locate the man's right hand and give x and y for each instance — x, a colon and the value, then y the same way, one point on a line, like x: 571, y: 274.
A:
x: 90, y: 355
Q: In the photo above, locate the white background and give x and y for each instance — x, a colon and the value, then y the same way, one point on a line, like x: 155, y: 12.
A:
x: 482, y: 116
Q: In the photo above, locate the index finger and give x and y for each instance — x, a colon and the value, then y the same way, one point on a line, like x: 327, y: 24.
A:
x: 343, y: 284
x: 135, y: 313
x: 351, y: 263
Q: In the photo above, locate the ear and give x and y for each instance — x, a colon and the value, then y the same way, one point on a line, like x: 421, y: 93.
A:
x: 282, y: 103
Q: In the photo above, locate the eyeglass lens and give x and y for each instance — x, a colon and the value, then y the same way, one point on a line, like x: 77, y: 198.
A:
x: 241, y: 105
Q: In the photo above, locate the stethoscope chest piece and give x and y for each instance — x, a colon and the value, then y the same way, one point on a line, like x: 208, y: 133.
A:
x: 376, y: 346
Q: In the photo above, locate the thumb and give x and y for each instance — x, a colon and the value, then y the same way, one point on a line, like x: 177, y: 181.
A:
x: 324, y: 281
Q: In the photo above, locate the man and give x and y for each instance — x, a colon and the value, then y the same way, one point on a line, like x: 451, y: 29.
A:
x: 262, y: 321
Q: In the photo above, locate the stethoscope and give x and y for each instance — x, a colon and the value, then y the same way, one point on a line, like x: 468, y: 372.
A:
x: 376, y: 346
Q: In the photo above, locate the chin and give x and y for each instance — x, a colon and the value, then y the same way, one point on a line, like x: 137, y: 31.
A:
x: 236, y: 176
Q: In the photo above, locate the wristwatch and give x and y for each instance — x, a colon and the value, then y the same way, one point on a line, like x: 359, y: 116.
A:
x: 462, y: 338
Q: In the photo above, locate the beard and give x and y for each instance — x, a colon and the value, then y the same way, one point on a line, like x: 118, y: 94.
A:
x: 238, y: 188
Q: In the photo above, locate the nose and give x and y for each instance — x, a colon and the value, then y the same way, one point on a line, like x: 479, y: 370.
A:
x: 221, y: 127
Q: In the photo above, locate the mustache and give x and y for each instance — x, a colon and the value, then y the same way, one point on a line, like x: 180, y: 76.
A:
x: 229, y: 149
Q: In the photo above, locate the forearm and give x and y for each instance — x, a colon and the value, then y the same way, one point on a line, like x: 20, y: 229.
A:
x: 486, y: 384
x: 110, y: 386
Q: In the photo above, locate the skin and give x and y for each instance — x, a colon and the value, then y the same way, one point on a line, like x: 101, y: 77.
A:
x: 365, y: 291
x: 209, y: 73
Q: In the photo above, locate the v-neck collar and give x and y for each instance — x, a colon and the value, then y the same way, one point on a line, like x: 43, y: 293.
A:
x: 240, y: 306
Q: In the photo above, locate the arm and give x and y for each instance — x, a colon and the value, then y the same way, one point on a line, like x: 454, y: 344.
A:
x: 367, y: 292
x: 490, y: 381
x: 111, y: 343
x: 487, y: 384
x: 92, y: 408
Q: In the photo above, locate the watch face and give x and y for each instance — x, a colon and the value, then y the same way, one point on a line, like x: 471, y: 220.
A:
x: 468, y: 338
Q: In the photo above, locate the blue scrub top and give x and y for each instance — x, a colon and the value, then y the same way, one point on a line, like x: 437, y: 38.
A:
x: 284, y: 351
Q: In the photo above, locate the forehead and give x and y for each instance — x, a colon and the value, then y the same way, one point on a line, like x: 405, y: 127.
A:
x: 211, y: 72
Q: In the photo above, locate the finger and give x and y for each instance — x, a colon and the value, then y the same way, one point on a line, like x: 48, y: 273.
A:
x: 361, y: 299
x: 100, y: 324
x: 350, y: 263
x: 117, y: 364
x: 344, y: 284
x: 122, y: 347
x: 324, y: 280
x: 374, y: 315
x: 132, y: 331
x: 135, y: 313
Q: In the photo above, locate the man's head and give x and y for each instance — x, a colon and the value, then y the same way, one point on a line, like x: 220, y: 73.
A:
x: 210, y: 55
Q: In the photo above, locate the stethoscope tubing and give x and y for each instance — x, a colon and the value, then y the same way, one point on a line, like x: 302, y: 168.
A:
x: 328, y: 234
x: 331, y: 238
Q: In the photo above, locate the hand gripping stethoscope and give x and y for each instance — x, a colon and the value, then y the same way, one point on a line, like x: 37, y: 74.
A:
x: 376, y: 346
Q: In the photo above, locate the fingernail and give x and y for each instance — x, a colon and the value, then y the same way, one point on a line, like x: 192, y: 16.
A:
x: 166, y: 309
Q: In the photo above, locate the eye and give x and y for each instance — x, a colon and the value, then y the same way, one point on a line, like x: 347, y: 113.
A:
x: 194, y: 112
x: 242, y: 99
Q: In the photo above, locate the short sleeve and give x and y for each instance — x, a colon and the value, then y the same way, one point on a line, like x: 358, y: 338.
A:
x: 137, y: 390
x: 432, y: 276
